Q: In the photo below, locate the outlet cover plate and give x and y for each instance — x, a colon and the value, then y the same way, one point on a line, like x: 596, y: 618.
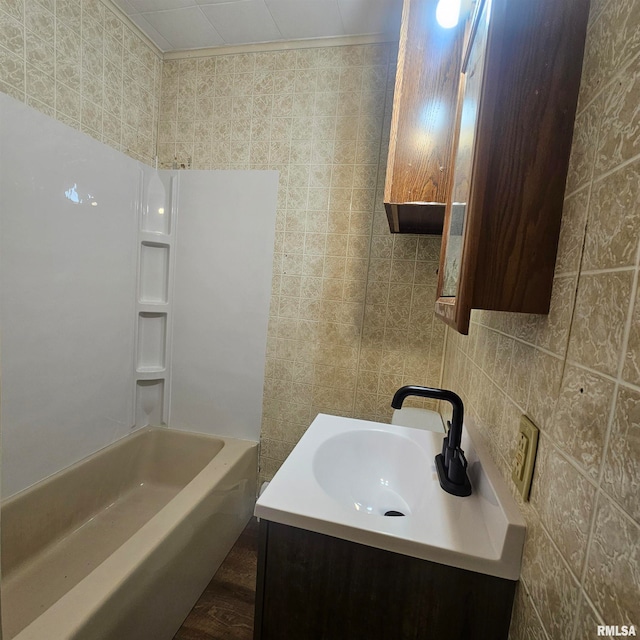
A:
x: 525, y: 456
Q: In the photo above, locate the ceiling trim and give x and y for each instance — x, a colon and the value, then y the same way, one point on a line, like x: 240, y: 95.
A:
x: 280, y: 45
x: 114, y: 8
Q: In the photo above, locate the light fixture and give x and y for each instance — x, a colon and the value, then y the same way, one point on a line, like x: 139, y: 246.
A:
x: 448, y: 13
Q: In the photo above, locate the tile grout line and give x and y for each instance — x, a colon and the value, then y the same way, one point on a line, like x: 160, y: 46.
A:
x: 618, y: 167
x: 576, y: 191
x: 598, y: 272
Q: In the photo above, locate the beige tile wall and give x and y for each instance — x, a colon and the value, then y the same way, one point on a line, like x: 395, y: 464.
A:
x: 576, y: 372
x: 351, y: 308
x: 78, y: 62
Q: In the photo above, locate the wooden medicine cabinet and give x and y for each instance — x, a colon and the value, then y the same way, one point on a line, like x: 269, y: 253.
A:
x: 516, y: 108
x: 423, y: 120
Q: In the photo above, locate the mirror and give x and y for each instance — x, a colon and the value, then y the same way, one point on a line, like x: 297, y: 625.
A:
x: 473, y: 67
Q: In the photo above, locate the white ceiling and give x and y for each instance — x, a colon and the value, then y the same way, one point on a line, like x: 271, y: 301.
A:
x: 194, y: 24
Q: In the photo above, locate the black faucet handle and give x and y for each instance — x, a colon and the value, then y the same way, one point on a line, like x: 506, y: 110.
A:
x: 453, y: 479
x: 457, y: 471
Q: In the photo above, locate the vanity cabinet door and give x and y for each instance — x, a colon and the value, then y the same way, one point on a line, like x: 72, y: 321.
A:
x: 423, y: 120
x: 516, y: 108
x: 312, y: 586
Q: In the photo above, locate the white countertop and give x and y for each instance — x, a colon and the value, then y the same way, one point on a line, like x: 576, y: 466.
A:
x: 483, y: 532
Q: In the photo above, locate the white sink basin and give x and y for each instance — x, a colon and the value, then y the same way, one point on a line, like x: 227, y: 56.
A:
x: 372, y: 471
x: 345, y: 474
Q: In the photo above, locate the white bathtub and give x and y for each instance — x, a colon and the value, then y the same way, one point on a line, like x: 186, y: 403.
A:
x: 120, y: 545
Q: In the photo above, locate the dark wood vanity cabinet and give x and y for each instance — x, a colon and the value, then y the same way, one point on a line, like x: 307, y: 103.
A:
x: 423, y: 120
x: 312, y: 586
x: 517, y: 101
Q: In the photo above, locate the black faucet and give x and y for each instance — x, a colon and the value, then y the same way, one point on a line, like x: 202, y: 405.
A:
x: 451, y: 463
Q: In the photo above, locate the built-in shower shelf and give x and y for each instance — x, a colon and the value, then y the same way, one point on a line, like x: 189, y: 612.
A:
x: 149, y: 401
x: 154, y: 296
x: 151, y: 371
x: 153, y: 281
x: 153, y: 307
x: 158, y: 205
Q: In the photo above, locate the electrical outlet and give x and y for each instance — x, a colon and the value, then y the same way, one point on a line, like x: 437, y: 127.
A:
x: 525, y: 457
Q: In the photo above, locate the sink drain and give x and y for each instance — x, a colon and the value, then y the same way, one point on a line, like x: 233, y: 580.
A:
x: 394, y: 513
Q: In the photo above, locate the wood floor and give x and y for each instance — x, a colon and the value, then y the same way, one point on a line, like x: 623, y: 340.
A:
x: 225, y: 609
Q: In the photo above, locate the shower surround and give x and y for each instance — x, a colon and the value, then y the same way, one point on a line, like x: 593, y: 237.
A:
x: 97, y: 302
x: 100, y: 294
